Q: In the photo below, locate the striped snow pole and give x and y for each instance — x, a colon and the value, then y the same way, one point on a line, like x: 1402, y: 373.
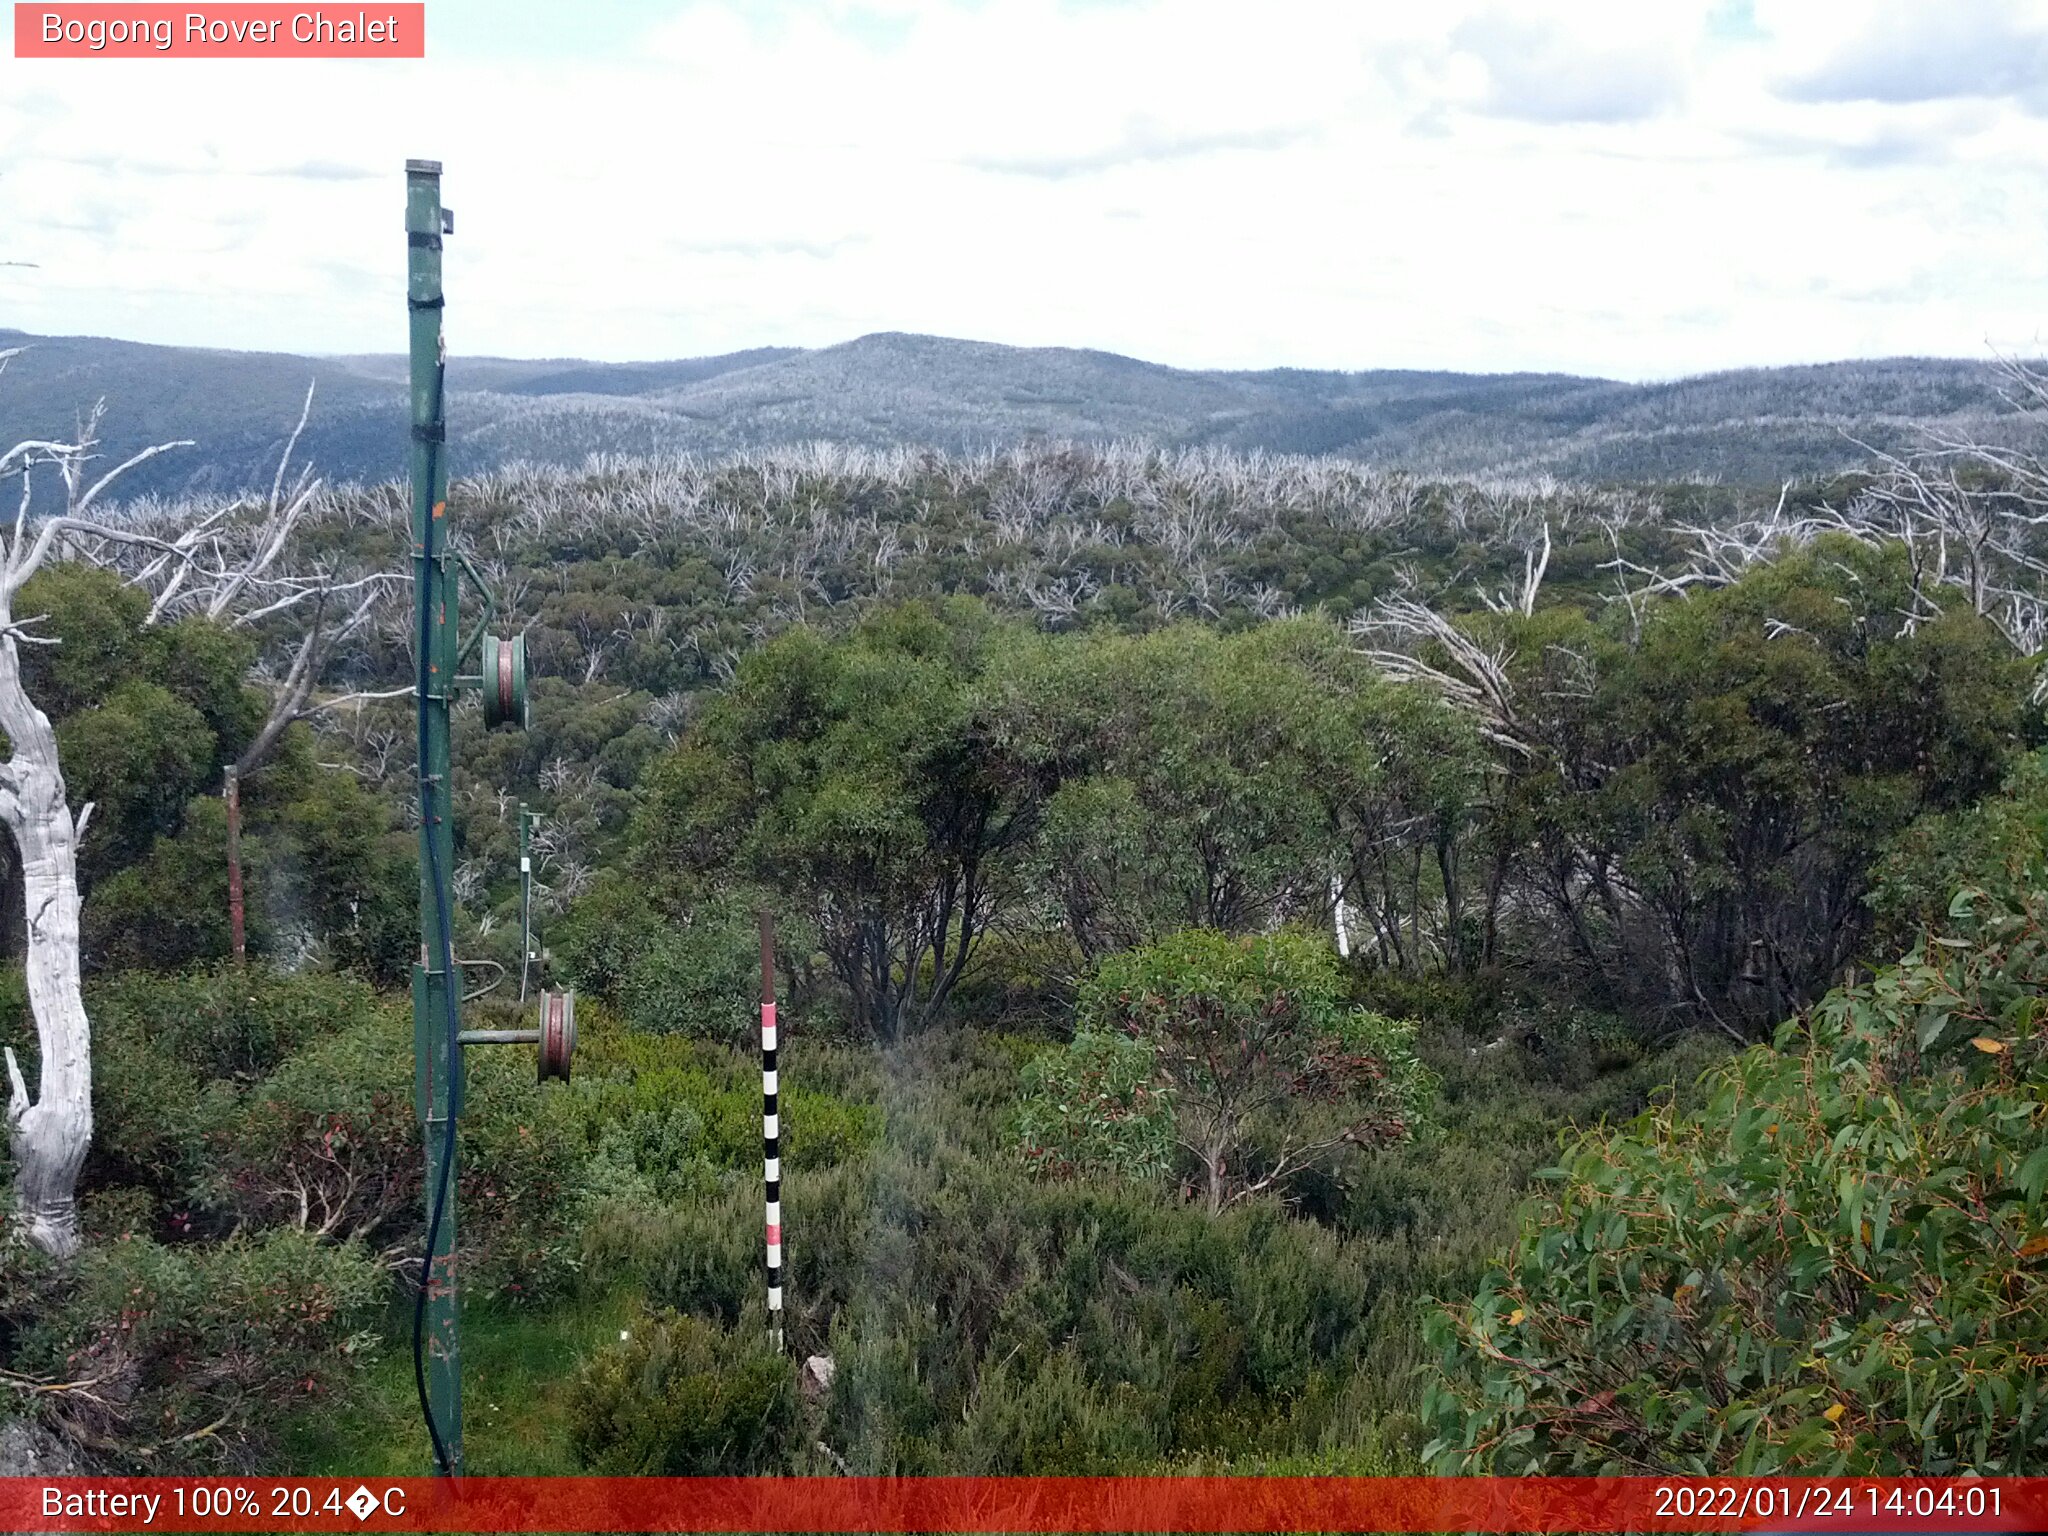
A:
x: 771, y: 1131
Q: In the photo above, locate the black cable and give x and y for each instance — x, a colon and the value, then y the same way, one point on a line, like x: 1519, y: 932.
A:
x: 437, y: 878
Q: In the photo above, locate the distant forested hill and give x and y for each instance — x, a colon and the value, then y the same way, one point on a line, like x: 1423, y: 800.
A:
x: 1755, y: 426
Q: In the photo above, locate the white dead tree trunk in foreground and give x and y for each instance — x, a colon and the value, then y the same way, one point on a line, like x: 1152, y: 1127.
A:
x: 48, y: 1133
x: 203, y: 565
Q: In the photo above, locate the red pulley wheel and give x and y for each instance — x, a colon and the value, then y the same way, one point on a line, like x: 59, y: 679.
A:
x: 503, y: 683
x: 506, y: 708
x: 557, y: 1034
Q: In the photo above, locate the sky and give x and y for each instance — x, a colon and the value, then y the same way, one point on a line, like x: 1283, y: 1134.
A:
x: 1639, y: 190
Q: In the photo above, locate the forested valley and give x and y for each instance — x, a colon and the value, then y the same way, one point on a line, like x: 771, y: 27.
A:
x: 1285, y: 967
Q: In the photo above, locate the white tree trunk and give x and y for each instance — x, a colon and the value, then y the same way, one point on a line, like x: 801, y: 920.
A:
x: 48, y: 1135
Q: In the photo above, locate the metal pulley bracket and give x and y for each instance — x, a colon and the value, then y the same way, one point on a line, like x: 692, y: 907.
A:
x: 503, y: 681
x: 555, y: 1038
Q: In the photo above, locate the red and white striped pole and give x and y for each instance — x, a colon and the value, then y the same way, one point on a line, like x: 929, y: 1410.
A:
x: 771, y: 1131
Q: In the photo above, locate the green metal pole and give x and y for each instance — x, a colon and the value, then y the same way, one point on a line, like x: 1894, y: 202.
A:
x: 437, y: 1059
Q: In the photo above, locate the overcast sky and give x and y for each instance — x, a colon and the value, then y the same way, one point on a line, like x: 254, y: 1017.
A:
x: 1640, y: 189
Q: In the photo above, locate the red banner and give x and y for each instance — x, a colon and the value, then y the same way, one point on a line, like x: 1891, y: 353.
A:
x: 375, y: 31
x: 1026, y: 1504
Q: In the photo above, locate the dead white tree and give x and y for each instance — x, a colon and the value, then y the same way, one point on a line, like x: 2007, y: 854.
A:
x: 1535, y: 563
x: 247, y: 581
x: 48, y: 1132
x: 205, y: 562
x: 292, y: 696
x: 1403, y: 636
x: 1969, y: 515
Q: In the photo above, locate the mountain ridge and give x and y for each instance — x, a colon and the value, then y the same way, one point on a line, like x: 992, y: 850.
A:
x: 894, y: 388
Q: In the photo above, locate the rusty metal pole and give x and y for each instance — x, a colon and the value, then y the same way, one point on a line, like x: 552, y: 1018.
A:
x: 231, y: 792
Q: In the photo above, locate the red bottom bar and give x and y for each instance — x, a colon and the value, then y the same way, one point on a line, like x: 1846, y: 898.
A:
x: 1026, y: 1504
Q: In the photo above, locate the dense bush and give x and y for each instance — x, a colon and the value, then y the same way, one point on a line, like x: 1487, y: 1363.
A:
x: 327, y: 1144
x: 232, y: 1023
x: 1005, y: 1325
x: 665, y: 1106
x: 1219, y: 780
x: 986, y: 1320
x: 329, y: 862
x: 1939, y: 854
x: 967, y: 823
x: 1097, y: 1107
x: 189, y: 1354
x: 681, y: 1397
x: 857, y: 781
x: 145, y: 715
x: 169, y: 1049
x: 695, y: 972
x: 1702, y: 786
x: 703, y: 1254
x: 1838, y: 1263
x: 244, y: 1099
x: 322, y: 875
x: 1248, y: 1057
x: 1667, y: 808
x: 170, y: 907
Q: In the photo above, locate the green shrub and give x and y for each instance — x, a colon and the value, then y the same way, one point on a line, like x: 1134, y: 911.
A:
x: 522, y: 1162
x: 328, y: 858
x: 1471, y: 1006
x: 987, y: 1306
x: 328, y: 1143
x: 1053, y: 1418
x: 169, y: 909
x: 697, y: 975
x: 1267, y: 1072
x: 1096, y: 1107
x: 168, y: 1050
x: 701, y: 977
x: 1923, y: 867
x: 231, y: 1022
x: 680, y: 1397
x: 196, y: 1350
x: 1021, y: 977
x: 649, y: 1153
x: 704, y: 1255
x: 145, y: 1108
x: 1838, y: 1264
x: 671, y: 1108
x: 985, y: 1320
x: 246, y: 1101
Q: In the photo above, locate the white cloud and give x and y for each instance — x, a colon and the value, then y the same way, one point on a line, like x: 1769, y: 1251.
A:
x: 1900, y: 51
x: 1615, y: 64
x: 1638, y: 190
